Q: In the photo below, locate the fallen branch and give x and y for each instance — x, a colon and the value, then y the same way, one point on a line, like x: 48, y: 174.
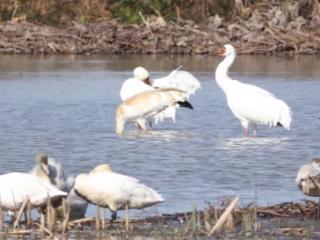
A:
x: 224, y: 216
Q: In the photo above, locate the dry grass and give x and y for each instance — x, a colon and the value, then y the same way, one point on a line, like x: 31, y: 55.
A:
x: 218, y: 220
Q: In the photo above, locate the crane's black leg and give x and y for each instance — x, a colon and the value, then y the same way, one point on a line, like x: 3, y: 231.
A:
x: 113, y: 215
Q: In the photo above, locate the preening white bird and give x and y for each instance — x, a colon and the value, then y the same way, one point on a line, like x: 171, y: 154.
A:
x: 142, y: 106
x: 250, y: 104
x: 51, y: 171
x: 177, y: 79
x: 16, y: 187
x: 308, y: 178
x: 138, y: 84
x: 115, y: 191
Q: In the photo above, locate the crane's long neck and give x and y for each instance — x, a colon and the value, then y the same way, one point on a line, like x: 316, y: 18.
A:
x: 222, y: 77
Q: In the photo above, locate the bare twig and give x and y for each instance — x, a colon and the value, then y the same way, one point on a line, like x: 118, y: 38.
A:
x: 44, y: 229
x: 224, y: 216
x: 16, y: 222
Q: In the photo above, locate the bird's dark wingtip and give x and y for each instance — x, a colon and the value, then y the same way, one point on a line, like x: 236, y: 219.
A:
x: 279, y: 124
x: 185, y: 104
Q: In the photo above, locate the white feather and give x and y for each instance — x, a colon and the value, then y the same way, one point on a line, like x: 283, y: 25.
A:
x: 181, y: 80
x: 16, y: 187
x: 133, y: 86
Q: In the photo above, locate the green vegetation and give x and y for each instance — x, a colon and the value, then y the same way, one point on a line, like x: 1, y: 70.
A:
x: 53, y: 12
x: 59, y: 12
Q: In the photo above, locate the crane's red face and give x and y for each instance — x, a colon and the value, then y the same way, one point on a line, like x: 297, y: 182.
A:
x: 222, y: 51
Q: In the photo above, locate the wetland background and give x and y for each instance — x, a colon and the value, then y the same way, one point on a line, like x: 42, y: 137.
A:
x: 59, y: 96
x: 64, y: 105
x: 159, y: 27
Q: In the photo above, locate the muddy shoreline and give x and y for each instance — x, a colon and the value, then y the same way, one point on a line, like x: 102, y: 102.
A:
x: 274, y: 30
x: 286, y: 221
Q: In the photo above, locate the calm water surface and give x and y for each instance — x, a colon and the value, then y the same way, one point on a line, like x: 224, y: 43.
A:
x: 65, y: 106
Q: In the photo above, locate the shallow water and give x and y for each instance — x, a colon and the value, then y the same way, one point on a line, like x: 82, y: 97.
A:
x: 64, y: 105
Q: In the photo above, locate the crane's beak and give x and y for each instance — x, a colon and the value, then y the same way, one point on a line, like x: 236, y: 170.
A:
x: 221, y: 51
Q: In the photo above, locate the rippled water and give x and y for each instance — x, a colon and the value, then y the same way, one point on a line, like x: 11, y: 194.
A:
x: 65, y: 106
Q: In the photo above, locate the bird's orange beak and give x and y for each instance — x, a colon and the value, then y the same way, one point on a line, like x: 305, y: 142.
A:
x: 221, y: 51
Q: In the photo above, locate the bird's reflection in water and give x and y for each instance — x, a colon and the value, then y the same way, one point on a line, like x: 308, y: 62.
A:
x: 231, y: 143
x: 159, y: 135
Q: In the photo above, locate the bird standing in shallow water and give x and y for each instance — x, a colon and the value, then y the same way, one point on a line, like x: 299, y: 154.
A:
x: 250, y: 104
x: 177, y: 79
x: 148, y: 104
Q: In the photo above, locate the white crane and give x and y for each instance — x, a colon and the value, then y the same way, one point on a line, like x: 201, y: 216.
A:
x: 250, y: 104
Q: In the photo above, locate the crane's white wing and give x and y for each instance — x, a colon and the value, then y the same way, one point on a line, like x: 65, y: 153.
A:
x: 254, y: 104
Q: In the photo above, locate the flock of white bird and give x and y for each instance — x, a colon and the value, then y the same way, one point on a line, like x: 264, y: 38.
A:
x: 144, y: 103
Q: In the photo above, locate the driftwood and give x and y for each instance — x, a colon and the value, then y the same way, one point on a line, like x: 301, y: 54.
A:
x: 261, y: 30
x: 224, y: 216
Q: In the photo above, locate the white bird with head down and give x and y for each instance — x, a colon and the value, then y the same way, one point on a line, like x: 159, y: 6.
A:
x: 250, y: 104
x: 139, y: 83
x: 147, y: 104
x: 49, y: 170
x: 308, y: 178
x: 177, y: 79
x: 115, y: 191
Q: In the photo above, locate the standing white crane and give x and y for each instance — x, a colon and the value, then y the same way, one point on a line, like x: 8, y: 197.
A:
x: 250, y: 104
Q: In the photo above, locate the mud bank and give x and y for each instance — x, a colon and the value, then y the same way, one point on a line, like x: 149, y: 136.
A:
x: 286, y: 221
x: 261, y: 30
